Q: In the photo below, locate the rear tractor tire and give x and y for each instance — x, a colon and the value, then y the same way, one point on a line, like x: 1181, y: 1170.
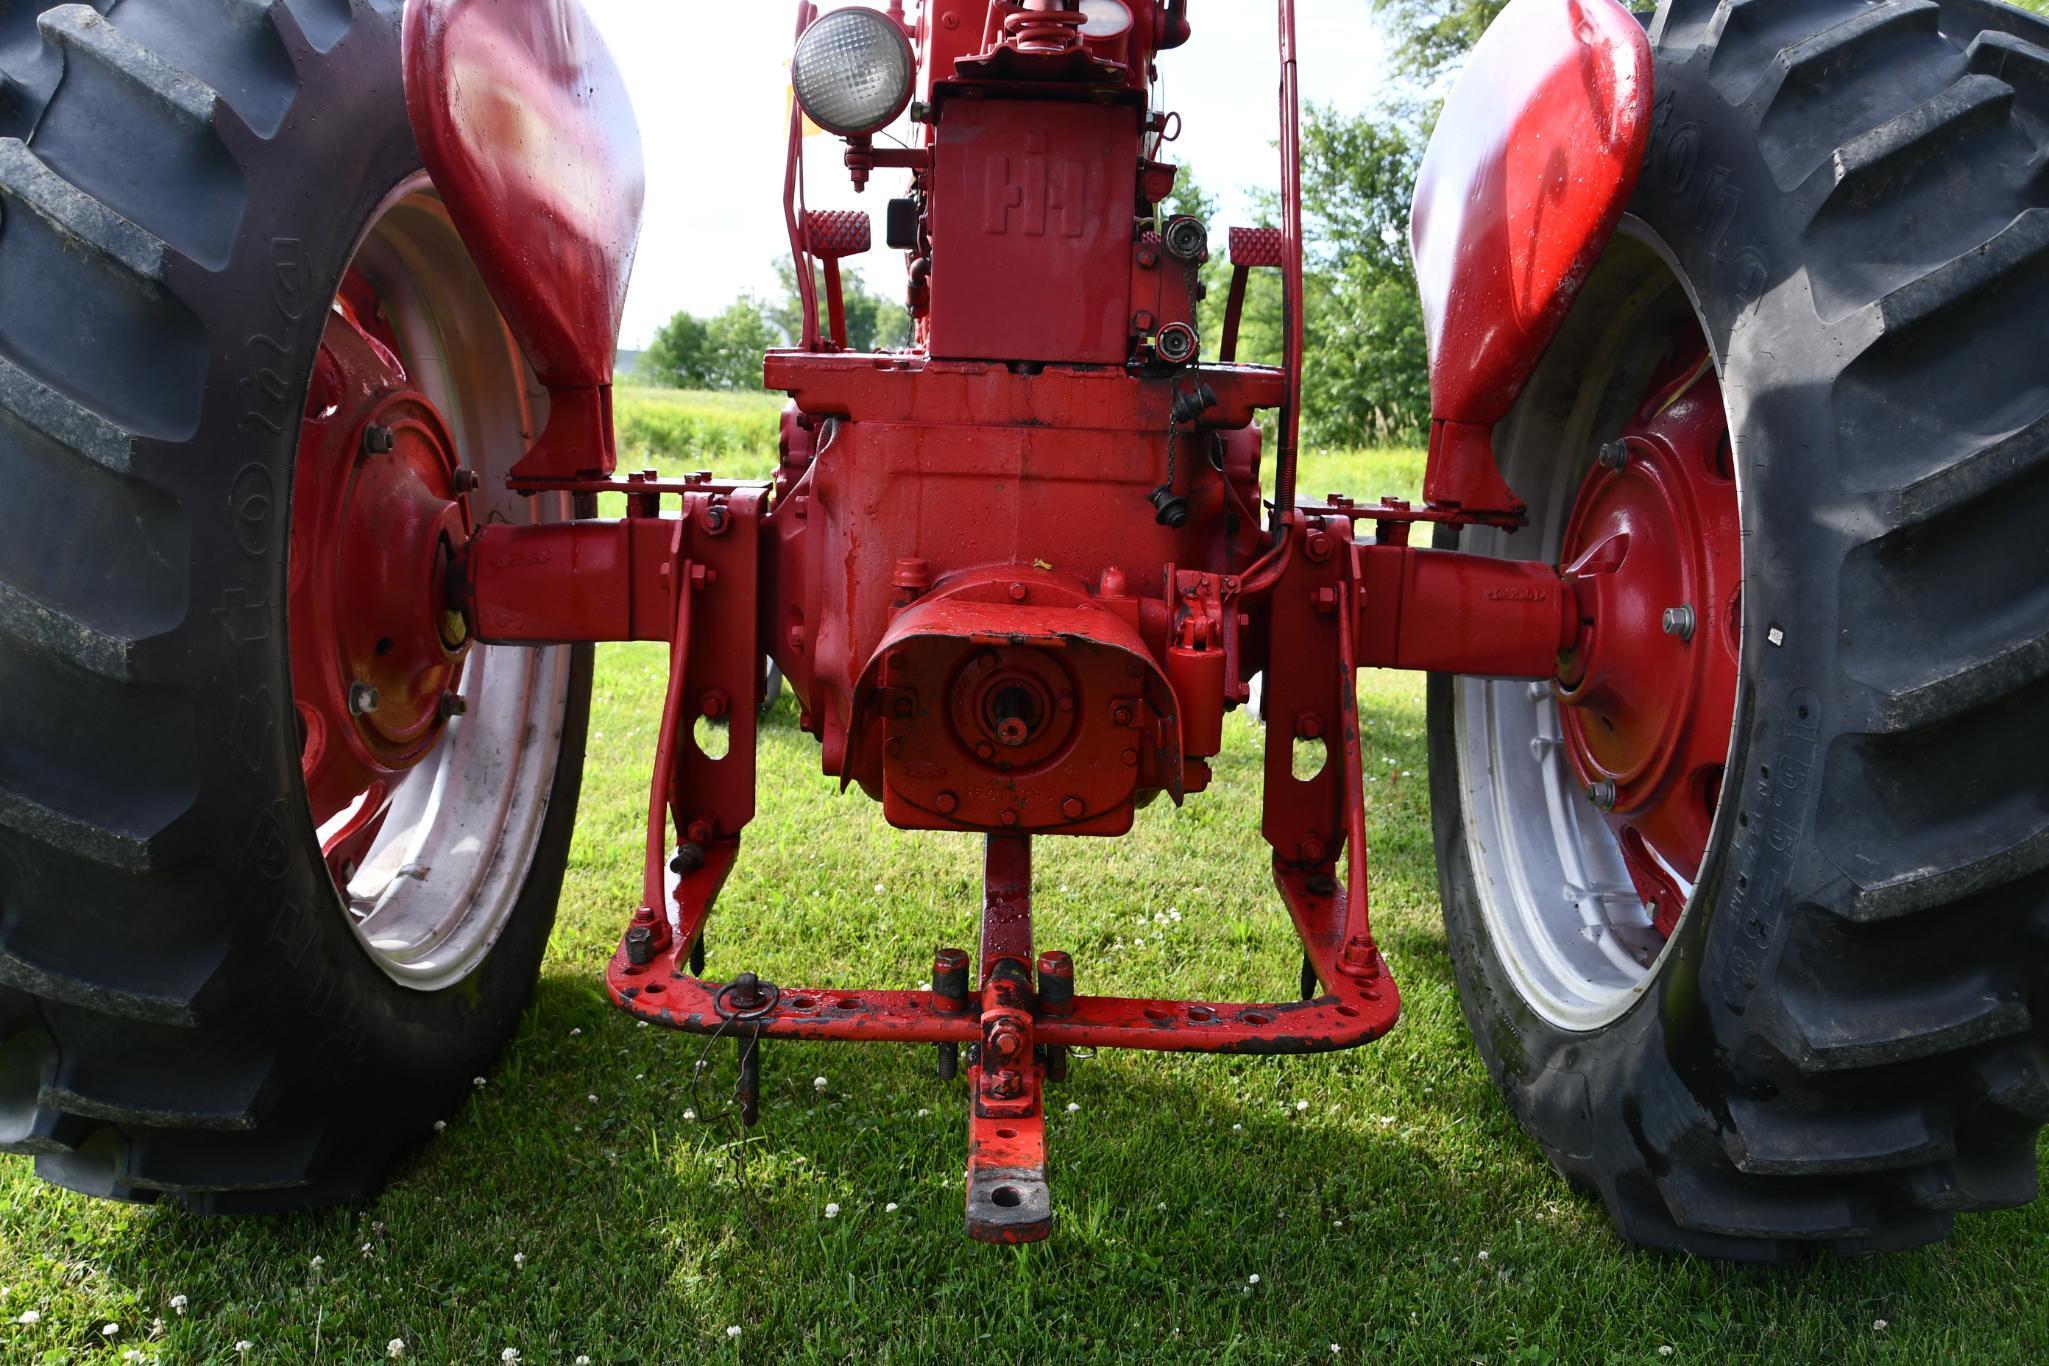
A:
x: 220, y: 979
x: 1829, y: 1035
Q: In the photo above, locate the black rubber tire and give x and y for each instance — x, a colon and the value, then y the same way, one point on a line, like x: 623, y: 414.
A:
x: 184, y: 1007
x: 1846, y: 1044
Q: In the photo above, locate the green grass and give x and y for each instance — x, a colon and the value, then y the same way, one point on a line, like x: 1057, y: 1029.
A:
x: 1401, y: 1215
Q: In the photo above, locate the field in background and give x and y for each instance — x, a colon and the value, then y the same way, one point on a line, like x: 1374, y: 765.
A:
x: 589, y: 1201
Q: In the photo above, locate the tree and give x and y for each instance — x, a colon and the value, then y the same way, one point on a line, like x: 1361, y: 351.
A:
x: 872, y: 321
x: 736, y: 338
x: 679, y: 357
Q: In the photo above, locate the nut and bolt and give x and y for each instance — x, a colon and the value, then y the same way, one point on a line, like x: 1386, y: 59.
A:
x: 947, y: 803
x: 1072, y: 808
x: 1120, y: 715
x: 713, y: 704
x: 378, y: 439
x: 453, y: 705
x: 689, y: 858
x: 640, y: 945
x: 1309, y: 726
x: 1614, y: 455
x: 363, y: 699
x: 1679, y: 621
x: 466, y: 481
x: 1602, y: 794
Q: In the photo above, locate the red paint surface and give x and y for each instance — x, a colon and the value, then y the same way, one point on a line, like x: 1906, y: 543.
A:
x: 371, y: 535
x: 525, y: 128
x: 1645, y: 709
x: 1527, y: 175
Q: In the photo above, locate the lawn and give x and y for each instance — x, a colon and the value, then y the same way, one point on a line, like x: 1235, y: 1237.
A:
x: 591, y: 1200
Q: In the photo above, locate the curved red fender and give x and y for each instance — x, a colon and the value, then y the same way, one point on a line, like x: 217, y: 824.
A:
x: 525, y: 128
x: 1527, y: 175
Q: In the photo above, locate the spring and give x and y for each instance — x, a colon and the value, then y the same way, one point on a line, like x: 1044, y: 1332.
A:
x: 1045, y: 31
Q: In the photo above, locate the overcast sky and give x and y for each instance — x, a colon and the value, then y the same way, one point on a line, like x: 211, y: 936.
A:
x: 708, y: 80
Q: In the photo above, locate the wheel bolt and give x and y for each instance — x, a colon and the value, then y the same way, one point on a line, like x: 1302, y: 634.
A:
x: 1614, y: 455
x: 378, y: 440
x: 363, y: 699
x: 1602, y: 794
x: 1679, y: 621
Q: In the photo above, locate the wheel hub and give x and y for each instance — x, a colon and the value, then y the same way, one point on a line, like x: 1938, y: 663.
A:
x: 1655, y: 544
x: 377, y: 510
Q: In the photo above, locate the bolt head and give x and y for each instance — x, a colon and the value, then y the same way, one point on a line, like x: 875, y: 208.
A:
x: 363, y: 699
x: 1072, y: 808
x: 1678, y: 621
x: 947, y: 803
x: 1602, y: 794
x: 453, y: 705
x: 378, y: 439
x: 1614, y: 455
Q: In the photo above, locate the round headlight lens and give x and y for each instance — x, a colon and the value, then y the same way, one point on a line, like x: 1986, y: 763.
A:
x: 852, y: 71
x: 1106, y: 18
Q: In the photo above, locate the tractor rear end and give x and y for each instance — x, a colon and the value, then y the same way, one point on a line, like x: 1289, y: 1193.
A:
x: 1696, y: 442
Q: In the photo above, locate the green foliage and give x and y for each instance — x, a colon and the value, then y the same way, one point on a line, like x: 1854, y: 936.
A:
x: 721, y: 352
x: 679, y: 357
x: 873, y: 322
x: 672, y: 430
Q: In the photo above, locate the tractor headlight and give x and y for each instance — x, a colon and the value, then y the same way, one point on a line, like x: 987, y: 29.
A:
x: 852, y: 71
x: 1106, y: 18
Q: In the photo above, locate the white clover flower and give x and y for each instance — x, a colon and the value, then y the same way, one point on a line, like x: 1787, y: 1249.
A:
x: 132, y: 1354
x: 643, y: 1024
x: 440, y: 1126
x: 690, y: 1114
x: 1253, y: 1279
x: 369, y: 1249
x: 818, y: 1083
x: 243, y: 1345
x: 1482, y: 1255
x: 519, y: 1260
x: 574, y: 1032
x: 1163, y: 1207
x: 1337, y: 1223
x: 733, y: 1330
x: 1073, y: 1107
x: 923, y: 1114
x: 395, y: 1349
x: 317, y: 1262
x: 509, y: 1354
x: 178, y: 1304
x: 477, y: 1082
x: 1878, y: 1325
x: 30, y: 1316
x: 1237, y: 1128
x: 1301, y: 1105
x: 583, y: 1359
x: 592, y: 1098
x: 878, y: 889
x: 108, y: 1330
x: 889, y: 1208
x: 832, y: 1211
x: 1665, y: 1350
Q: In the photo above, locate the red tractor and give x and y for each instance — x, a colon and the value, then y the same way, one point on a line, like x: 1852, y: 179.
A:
x: 1733, y: 597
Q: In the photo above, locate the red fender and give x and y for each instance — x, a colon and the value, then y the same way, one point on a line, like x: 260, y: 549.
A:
x: 1527, y: 175
x: 525, y: 128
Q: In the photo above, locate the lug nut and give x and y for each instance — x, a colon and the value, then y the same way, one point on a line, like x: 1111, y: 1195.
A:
x: 1679, y: 621
x: 378, y: 440
x: 1614, y: 455
x: 363, y: 699
x: 1602, y: 794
